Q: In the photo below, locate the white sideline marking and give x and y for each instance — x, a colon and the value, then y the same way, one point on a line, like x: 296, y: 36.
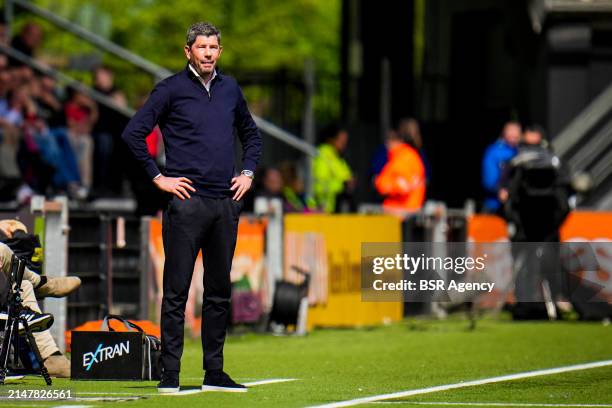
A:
x: 192, y: 391
x: 249, y: 384
x: 112, y: 393
x: 495, y: 404
x: 72, y: 406
x: 21, y: 405
x: 135, y: 397
x: 510, y: 377
x: 271, y: 381
x: 107, y: 399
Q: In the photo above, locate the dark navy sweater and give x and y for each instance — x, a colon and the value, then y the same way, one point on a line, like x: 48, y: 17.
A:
x: 198, y: 130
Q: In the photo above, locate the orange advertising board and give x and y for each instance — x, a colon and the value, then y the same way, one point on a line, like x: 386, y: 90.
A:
x: 591, y: 227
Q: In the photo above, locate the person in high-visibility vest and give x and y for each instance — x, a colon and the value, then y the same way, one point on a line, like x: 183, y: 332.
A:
x: 332, y: 175
x: 402, y: 179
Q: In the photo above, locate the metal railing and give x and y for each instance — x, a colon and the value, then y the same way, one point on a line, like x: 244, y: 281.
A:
x: 584, y: 122
x: 586, y: 144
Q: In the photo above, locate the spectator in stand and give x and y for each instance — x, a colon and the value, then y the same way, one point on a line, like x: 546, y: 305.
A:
x: 24, y: 75
x: 402, y: 180
x: 495, y: 159
x: 20, y: 104
x: 410, y: 130
x: 53, y: 142
x: 271, y: 185
x: 45, y: 156
x: 5, y: 78
x: 3, y: 62
x: 49, y: 101
x: 267, y: 183
x: 28, y: 40
x: 293, y: 189
x: 3, y: 33
x: 282, y: 183
x: 81, y: 116
x: 35, y: 173
x: 9, y: 136
x: 10, y: 78
x: 332, y: 176
x: 110, y: 124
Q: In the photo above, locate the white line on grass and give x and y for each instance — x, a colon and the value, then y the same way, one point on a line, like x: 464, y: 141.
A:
x: 510, y: 377
x: 112, y: 393
x: 249, y: 384
x: 21, y: 405
x: 190, y: 391
x: 107, y: 399
x: 200, y: 378
x: 271, y: 381
x: 494, y: 404
x: 134, y: 397
x: 72, y: 406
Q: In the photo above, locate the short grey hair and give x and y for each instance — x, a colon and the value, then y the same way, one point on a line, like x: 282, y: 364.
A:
x: 202, y: 28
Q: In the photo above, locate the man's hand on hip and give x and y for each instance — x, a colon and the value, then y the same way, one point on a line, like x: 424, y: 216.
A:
x: 179, y: 186
x: 240, y: 185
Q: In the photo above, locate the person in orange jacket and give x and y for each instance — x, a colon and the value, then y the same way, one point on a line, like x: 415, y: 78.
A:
x: 402, y: 179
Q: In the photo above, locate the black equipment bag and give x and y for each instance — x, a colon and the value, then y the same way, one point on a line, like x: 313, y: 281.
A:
x: 112, y: 355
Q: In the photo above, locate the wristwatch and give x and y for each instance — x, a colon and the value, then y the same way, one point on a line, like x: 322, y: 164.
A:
x: 248, y: 173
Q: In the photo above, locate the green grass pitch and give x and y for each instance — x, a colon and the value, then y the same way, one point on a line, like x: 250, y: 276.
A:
x: 338, y: 365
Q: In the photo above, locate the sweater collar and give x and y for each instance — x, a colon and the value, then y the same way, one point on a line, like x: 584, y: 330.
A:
x: 217, y: 76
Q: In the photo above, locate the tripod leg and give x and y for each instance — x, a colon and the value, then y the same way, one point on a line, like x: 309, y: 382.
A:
x: 32, y: 344
x: 9, y: 332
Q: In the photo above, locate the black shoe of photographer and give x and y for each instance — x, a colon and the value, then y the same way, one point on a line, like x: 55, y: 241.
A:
x: 36, y: 321
x: 219, y: 381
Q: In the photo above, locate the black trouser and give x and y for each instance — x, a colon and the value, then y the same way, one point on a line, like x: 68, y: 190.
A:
x: 212, y: 225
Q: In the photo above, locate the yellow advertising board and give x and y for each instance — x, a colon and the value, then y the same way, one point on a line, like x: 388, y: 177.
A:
x: 343, y: 235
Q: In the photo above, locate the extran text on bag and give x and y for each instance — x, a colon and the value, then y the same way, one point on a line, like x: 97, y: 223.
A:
x: 105, y: 353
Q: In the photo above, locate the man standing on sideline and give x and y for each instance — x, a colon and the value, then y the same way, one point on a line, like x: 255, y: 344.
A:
x: 198, y: 110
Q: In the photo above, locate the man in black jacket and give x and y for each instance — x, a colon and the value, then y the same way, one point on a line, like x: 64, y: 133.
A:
x: 536, y: 202
x: 537, y: 190
x: 198, y: 110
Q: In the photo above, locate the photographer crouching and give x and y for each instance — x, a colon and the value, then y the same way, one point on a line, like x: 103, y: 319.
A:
x: 34, y: 287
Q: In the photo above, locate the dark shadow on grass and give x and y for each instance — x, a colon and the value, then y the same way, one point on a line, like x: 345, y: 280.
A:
x: 143, y: 387
x: 154, y: 387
